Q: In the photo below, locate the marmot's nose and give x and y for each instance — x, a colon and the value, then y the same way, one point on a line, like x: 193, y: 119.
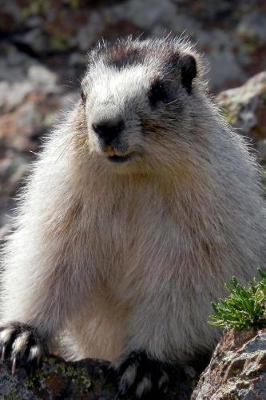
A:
x: 108, y: 130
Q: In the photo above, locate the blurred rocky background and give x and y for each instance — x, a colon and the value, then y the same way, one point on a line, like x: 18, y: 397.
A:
x: 43, y: 46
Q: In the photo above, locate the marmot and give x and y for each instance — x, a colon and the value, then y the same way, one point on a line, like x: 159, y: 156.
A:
x: 141, y: 205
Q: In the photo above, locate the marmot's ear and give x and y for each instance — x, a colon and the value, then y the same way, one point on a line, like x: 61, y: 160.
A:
x: 188, y: 71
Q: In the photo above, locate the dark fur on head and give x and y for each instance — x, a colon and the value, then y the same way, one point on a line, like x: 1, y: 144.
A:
x: 173, y: 55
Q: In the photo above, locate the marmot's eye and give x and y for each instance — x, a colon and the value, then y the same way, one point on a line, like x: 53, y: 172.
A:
x: 157, y: 93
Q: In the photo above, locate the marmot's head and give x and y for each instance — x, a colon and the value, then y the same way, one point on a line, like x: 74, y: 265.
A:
x: 138, y: 98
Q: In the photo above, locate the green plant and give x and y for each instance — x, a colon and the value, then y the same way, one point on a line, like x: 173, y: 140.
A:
x: 245, y: 307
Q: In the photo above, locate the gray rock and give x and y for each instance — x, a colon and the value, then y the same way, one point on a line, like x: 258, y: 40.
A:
x: 245, y: 107
x: 86, y: 379
x: 237, y: 369
x: 58, y: 379
x: 253, y: 26
x: 43, y: 79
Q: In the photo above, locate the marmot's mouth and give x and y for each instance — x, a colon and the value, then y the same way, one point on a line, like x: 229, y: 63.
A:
x: 119, y: 159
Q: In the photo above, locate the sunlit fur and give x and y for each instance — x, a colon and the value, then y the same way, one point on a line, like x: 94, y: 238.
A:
x: 128, y: 256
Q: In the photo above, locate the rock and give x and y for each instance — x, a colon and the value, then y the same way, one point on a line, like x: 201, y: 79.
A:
x: 245, y: 106
x: 14, y: 64
x: 220, y: 52
x: 86, y: 379
x: 89, y: 32
x: 245, y: 109
x: 262, y: 150
x: 13, y: 169
x: 253, y: 26
x: 30, y: 98
x: 147, y: 14
x: 20, y: 76
x: 237, y: 369
x: 58, y: 380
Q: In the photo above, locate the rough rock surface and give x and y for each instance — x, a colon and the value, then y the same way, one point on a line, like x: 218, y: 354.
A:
x: 87, y: 379
x: 237, y: 370
x: 30, y: 100
x: 58, y: 380
x: 245, y: 109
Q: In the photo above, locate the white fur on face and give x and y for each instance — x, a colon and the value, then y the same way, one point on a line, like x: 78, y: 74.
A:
x: 122, y: 94
x: 115, y: 95
x: 117, y: 87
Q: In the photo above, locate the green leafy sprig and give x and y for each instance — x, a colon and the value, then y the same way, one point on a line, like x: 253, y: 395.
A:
x: 245, y: 307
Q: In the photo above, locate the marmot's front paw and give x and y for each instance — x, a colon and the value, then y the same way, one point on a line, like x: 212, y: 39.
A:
x: 20, y: 344
x: 142, y: 376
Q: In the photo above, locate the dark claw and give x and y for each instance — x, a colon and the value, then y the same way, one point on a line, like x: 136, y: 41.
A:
x: 14, y: 361
x: 3, y: 353
x: 142, y: 376
x: 21, y: 345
